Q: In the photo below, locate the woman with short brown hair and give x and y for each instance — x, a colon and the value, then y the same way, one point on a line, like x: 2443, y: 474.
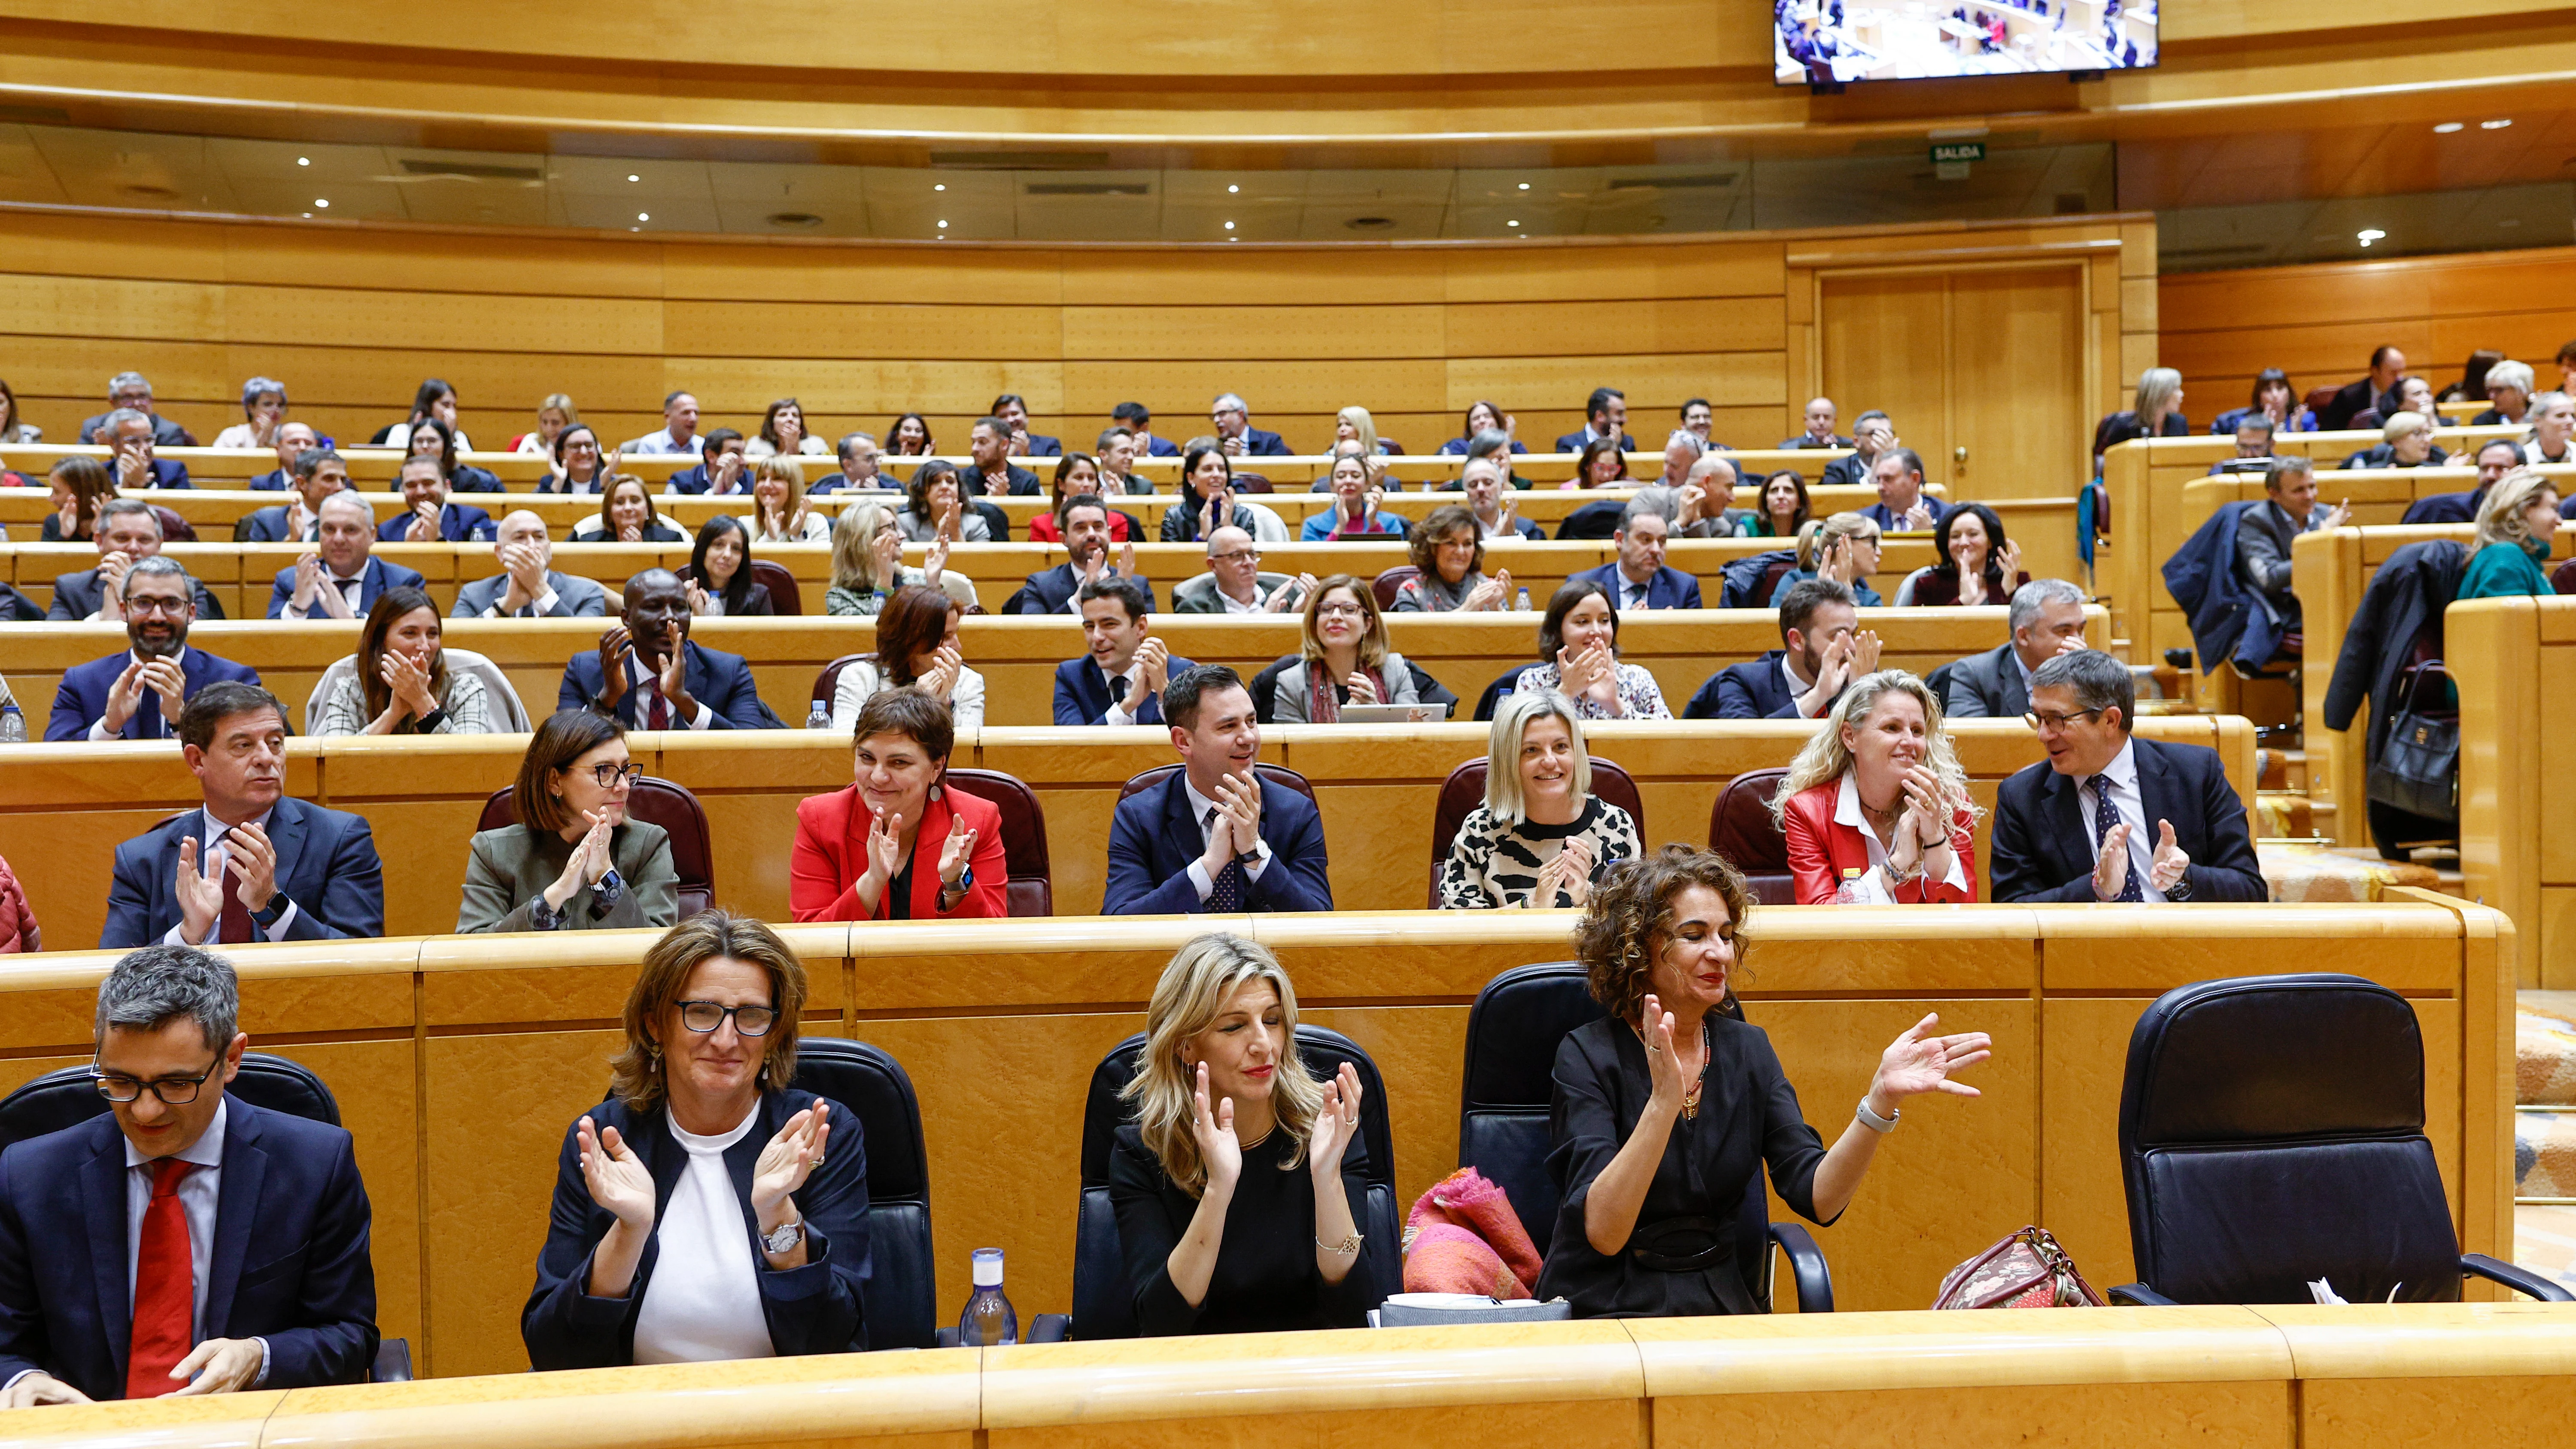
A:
x: 573, y: 861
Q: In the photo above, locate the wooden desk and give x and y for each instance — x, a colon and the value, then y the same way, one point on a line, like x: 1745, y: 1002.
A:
x: 2514, y: 662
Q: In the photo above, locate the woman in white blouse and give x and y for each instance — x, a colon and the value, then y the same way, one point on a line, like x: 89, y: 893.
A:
x: 916, y: 649
x: 401, y: 684
x: 782, y: 430
x: 707, y: 1210
x: 780, y: 510
x: 263, y: 407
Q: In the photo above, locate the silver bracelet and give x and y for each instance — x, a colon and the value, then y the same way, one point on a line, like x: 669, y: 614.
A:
x: 1874, y: 1122
x: 1350, y: 1244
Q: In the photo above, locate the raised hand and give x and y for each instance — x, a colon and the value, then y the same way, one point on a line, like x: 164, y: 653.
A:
x: 630, y: 533
x: 1241, y: 797
x: 934, y: 563
x: 2166, y: 870
x: 1508, y: 510
x: 123, y: 697
x: 1927, y: 801
x: 1866, y: 647
x: 1335, y: 1125
x: 308, y: 580
x: 67, y: 525
x: 887, y: 549
x: 250, y: 855
x: 165, y: 678
x: 1369, y: 502
x: 587, y: 864
x: 616, y: 1177
x: 423, y: 527
x: 941, y: 682
x: 885, y: 846
x: 1218, y: 1149
x: 614, y: 644
x: 2111, y: 867
x: 1663, y: 1064
x: 1914, y: 1063
x: 2009, y: 563
x: 1292, y: 593
x: 1153, y: 667
x: 131, y: 470
x: 698, y: 600
x: 673, y: 676
x: 1490, y: 594
x: 201, y: 901
x: 407, y: 682
x: 1127, y: 559
x: 956, y: 852
x: 951, y: 521
x: 787, y: 1159
x: 2341, y: 515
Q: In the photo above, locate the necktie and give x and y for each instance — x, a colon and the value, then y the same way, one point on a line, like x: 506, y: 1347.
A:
x: 1227, y: 896
x: 658, y: 715
x: 165, y: 1288
x: 2104, y: 817
x: 235, y: 929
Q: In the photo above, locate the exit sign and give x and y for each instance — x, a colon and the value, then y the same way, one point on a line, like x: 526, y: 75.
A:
x: 1958, y: 152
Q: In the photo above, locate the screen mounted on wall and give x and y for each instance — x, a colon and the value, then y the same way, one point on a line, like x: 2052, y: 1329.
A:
x: 1833, y: 42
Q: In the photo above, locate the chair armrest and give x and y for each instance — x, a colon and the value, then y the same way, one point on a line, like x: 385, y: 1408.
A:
x: 1807, y: 1265
x: 1051, y: 1328
x: 2139, y: 1295
x: 393, y: 1362
x: 2520, y: 1280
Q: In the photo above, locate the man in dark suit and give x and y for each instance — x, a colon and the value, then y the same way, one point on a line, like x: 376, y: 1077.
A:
x: 1605, y: 415
x: 2377, y: 392
x: 1873, y: 433
x: 1014, y: 413
x: 527, y: 586
x: 142, y: 692
x: 2078, y: 827
x: 1822, y: 649
x: 294, y: 440
x: 319, y: 473
x: 1215, y: 837
x: 1902, y: 506
x: 129, y: 436
x: 431, y: 518
x: 1639, y: 578
x: 2047, y: 619
x: 2495, y: 459
x: 648, y: 674
x: 992, y: 472
x: 1120, y: 677
x: 721, y: 468
x: 253, y: 863
x: 128, y: 532
x: 341, y: 578
x: 183, y: 1236
x: 1820, y: 427
x: 1134, y: 417
x: 1086, y: 544
x: 132, y: 392
x: 1235, y: 433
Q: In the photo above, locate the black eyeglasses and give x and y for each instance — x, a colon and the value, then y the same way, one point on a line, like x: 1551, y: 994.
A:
x: 747, y: 1020
x: 608, y: 775
x: 176, y: 1091
x: 2055, y: 722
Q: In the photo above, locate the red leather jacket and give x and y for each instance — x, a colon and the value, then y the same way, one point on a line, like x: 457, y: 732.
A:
x: 1822, y: 849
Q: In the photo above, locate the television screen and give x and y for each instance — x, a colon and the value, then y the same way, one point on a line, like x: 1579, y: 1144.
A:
x: 1819, y: 41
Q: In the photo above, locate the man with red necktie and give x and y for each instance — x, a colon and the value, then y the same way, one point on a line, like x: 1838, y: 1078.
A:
x: 184, y: 1241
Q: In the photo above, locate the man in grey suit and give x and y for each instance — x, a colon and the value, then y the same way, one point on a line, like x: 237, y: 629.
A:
x: 526, y: 588
x: 2047, y: 620
x: 2263, y: 535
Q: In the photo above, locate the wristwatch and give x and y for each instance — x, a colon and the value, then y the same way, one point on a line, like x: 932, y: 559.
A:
x: 951, y: 896
x: 783, y: 1237
x: 605, y: 891
x: 267, y: 915
x: 2180, y: 890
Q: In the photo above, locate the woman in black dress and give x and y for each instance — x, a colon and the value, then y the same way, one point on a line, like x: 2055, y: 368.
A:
x: 1666, y: 1109
x: 1240, y: 1186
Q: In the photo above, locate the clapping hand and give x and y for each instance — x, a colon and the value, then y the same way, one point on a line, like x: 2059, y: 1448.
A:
x: 941, y: 682
x: 1290, y: 594
x: 308, y: 580
x: 407, y: 682
x: 1663, y: 1064
x: 1126, y: 559
x: 1505, y: 512
x: 616, y: 1177
x: 951, y: 526
x: 1217, y: 512
x: 1491, y: 593
x: 1568, y: 872
x: 2111, y: 867
x: 423, y: 527
x: 589, y: 862
x: 249, y: 854
x: 1153, y: 669
x: 699, y: 602
x: 1218, y: 1150
x: 613, y: 645
x: 887, y: 549
x: 1914, y: 1064
x: 527, y: 570
x: 885, y: 847
x: 673, y: 676
x: 956, y: 852
x: 2341, y: 515
x: 162, y: 676
x: 630, y: 533
x: 934, y: 561
x: 1917, y: 517
x: 1592, y: 672
x: 67, y: 527
x: 2008, y: 566
x: 1363, y: 688
x: 1369, y: 502
x: 201, y: 901
x: 2167, y: 869
x: 131, y: 470
x: 1335, y: 1125
x: 787, y: 1159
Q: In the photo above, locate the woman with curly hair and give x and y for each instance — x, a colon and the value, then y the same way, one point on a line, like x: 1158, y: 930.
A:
x: 1667, y: 1110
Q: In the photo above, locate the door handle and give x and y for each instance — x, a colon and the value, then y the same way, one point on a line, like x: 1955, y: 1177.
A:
x: 1959, y: 455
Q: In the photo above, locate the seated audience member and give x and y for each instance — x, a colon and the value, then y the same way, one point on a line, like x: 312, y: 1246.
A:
x: 527, y: 586
x: 992, y: 473
x: 1235, y: 435
x: 1358, y: 487
x: 1215, y: 836
x: 1977, y: 564
x: 1013, y: 411
x: 723, y: 468
x: 1639, y: 577
x: 2412, y: 394
x: 19, y: 933
x: 319, y: 473
x: 2077, y: 827
x: 1784, y: 508
x: 1605, y: 420
x: 81, y: 486
x: 429, y: 517
x: 649, y: 674
x: 434, y: 398
x: 1116, y: 460
x: 578, y: 467
x: 917, y: 648
x: 867, y: 561
x: 1875, y: 806
x: 934, y: 509
x: 129, y: 531
x: 127, y: 435
x: 1077, y: 475
x: 1820, y: 416
x: 1902, y: 506
x: 860, y: 851
x: 2263, y: 535
x: 860, y: 472
x: 626, y: 515
x: 1601, y: 466
x: 679, y: 431
x: 1699, y: 420
x: 1823, y: 648
x: 1488, y: 490
x: 1703, y: 506
x: 1136, y: 418
x: 1120, y: 677
x: 1235, y: 583
x: 432, y: 438
x: 2495, y: 458
x: 573, y: 861
x: 2047, y: 619
x: 1343, y: 658
x: 1844, y: 548
x: 2276, y: 401
x: 1483, y: 417
x: 13, y: 428
x: 1240, y: 1185
x: 341, y: 578
x: 782, y: 433
x: 1496, y: 445
x: 779, y: 510
x: 291, y: 441
x: 555, y: 412
x: 2253, y: 441
x: 137, y: 1265
x: 2508, y: 391
x: 1057, y: 590
x: 1578, y: 653
x: 1681, y: 450
x: 2515, y: 527
x: 400, y: 683
x: 2553, y: 422
x: 1449, y: 567
x: 2157, y: 414
x: 141, y: 692
x: 254, y: 863
x: 1354, y: 425
x: 908, y: 436
x: 1542, y: 839
x: 2387, y: 366
x: 1873, y: 433
x: 1648, y: 1198
x: 2406, y: 441
x: 132, y: 392
x: 707, y: 1210
x: 718, y: 573
x: 1207, y: 481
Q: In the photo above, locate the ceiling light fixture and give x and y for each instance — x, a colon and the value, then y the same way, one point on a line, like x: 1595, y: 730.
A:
x: 1232, y: 189
x: 943, y: 226
x: 2495, y: 125
x: 2370, y: 234
x: 633, y: 177
x: 1229, y: 226
x: 2447, y: 128
x: 303, y: 160
x: 319, y: 201
x: 939, y: 186
x: 1524, y: 186
x: 1515, y: 221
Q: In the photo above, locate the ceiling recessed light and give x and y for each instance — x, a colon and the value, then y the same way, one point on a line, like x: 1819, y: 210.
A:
x: 1515, y: 221
x: 2446, y: 128
x: 633, y: 177
x: 943, y: 225
x: 1229, y: 226
x: 939, y: 186
x: 318, y: 201
x: 2369, y: 234
x: 2495, y: 125
x: 643, y: 216
x: 303, y: 160
x: 1524, y: 186
x: 1231, y: 190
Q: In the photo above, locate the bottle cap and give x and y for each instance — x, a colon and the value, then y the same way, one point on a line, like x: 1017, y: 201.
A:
x: 988, y: 1267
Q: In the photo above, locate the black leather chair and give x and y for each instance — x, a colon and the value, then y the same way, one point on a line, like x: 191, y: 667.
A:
x: 1103, y: 1305
x: 903, y: 1303
x: 655, y: 802
x: 67, y: 1098
x: 1512, y: 1035
x: 2271, y: 1134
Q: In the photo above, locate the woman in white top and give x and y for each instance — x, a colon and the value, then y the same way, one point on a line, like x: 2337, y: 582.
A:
x: 780, y: 510
x: 916, y: 649
x: 401, y: 684
x: 706, y: 1210
x: 264, y: 405
x: 435, y: 399
x: 2553, y: 421
x: 782, y: 430
x: 554, y: 414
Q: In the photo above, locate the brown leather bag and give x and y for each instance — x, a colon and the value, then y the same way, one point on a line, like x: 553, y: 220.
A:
x: 2026, y: 1270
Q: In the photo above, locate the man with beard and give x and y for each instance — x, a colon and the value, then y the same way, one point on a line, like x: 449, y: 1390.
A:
x: 128, y: 532
x: 1215, y: 837
x: 140, y: 694
x: 1822, y: 650
x: 648, y: 674
x: 1086, y: 539
x: 318, y: 473
x: 431, y: 518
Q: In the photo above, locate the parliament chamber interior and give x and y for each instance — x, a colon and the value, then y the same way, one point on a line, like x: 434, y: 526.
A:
x: 1165, y: 724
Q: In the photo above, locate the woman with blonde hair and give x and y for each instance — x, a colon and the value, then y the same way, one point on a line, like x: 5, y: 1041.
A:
x: 554, y: 414
x: 1876, y: 807
x: 706, y: 1210
x: 2515, y: 526
x: 1344, y: 658
x: 867, y: 561
x: 782, y: 513
x: 1541, y: 838
x: 1240, y: 1186
x: 1354, y: 425
x: 1844, y: 548
x: 2158, y: 414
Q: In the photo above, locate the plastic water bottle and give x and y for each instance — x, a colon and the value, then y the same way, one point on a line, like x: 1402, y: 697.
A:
x: 1522, y: 603
x: 819, y: 717
x: 13, y: 725
x: 989, y: 1319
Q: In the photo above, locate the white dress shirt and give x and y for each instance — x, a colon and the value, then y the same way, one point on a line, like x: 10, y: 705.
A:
x: 703, y: 1302
x: 1122, y: 711
x: 1633, y: 595
x: 2132, y: 808
x: 1797, y: 687
x: 860, y: 680
x: 1234, y: 605
x: 350, y: 587
x: 213, y: 850
x: 1200, y: 805
x: 1871, y: 889
x: 659, y: 442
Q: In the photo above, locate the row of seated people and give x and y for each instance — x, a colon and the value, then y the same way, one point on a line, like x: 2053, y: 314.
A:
x: 2372, y: 401
x: 708, y: 1209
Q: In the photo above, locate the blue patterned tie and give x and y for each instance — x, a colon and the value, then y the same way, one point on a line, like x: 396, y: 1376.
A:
x: 1226, y: 896
x: 2104, y: 817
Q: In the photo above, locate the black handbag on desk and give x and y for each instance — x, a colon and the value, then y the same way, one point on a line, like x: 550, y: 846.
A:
x: 2418, y: 770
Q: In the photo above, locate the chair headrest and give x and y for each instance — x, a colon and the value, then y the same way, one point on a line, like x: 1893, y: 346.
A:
x: 871, y: 1083
x: 2257, y: 1058
x: 1513, y: 1031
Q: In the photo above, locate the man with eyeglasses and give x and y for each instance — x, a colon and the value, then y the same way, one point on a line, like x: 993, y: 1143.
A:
x: 125, y: 1240
x: 1235, y: 583
x: 648, y: 674
x: 140, y: 694
x: 1232, y: 419
x: 252, y: 863
x: 132, y: 392
x: 2110, y: 817
x: 128, y: 532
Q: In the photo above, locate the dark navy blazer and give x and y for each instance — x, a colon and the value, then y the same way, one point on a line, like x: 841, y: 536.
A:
x: 457, y: 523
x: 1082, y: 692
x: 720, y: 681
x: 1670, y: 588
x: 377, y: 577
x: 1152, y: 841
x: 1752, y: 690
x: 326, y: 864
x: 81, y: 699
x: 2042, y: 852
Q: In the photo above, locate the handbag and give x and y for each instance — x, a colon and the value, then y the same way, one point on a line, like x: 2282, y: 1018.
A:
x: 2418, y: 769
x: 2026, y: 1270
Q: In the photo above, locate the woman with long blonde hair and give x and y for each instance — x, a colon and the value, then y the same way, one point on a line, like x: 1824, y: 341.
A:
x: 1222, y: 1231
x: 867, y: 561
x: 1876, y: 806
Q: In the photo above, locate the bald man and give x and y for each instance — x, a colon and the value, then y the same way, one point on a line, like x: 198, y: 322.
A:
x: 526, y: 588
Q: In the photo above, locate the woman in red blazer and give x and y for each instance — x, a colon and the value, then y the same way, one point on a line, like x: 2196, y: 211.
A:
x: 1876, y: 808
x: 898, y: 844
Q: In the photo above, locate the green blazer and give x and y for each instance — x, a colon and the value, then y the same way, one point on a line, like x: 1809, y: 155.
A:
x: 2503, y: 570
x: 512, y: 866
